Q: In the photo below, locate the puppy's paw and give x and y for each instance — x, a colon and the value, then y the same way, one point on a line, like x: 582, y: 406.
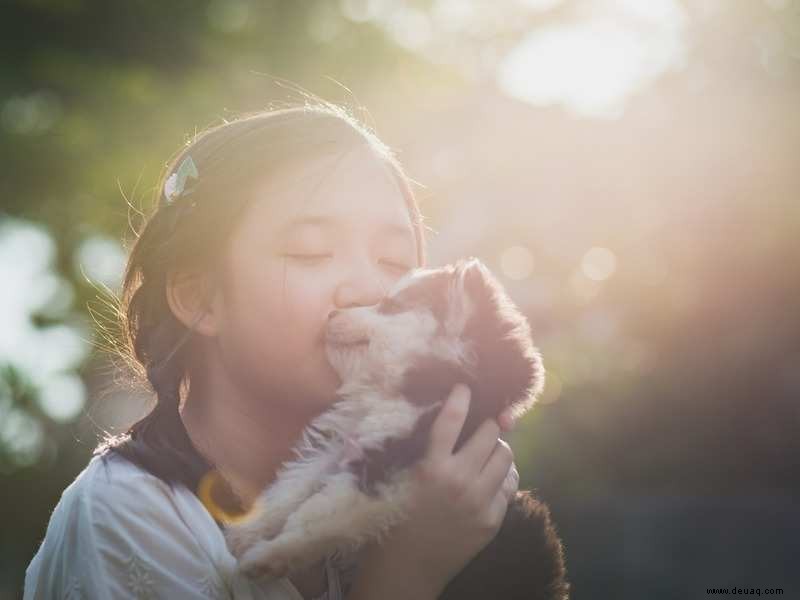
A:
x: 241, y: 537
x: 263, y: 560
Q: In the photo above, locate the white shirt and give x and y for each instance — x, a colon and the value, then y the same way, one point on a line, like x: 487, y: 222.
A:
x: 120, y: 532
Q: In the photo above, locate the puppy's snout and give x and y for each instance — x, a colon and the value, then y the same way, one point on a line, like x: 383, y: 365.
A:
x: 345, y: 328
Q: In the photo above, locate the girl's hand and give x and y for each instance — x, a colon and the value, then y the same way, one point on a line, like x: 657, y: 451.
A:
x: 458, y: 502
x: 506, y: 420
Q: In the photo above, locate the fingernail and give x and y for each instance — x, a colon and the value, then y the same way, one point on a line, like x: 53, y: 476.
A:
x: 462, y: 395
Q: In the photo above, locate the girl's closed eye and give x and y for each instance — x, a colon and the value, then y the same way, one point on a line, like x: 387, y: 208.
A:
x: 316, y: 258
x: 398, y: 266
x: 307, y: 257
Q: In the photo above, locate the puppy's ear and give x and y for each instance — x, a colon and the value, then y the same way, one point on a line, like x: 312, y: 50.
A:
x: 470, y: 286
x: 429, y: 381
x: 508, y: 367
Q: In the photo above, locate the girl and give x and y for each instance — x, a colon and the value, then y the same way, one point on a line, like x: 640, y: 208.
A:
x: 264, y: 225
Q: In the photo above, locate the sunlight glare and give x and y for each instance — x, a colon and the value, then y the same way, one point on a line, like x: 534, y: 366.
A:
x: 593, y: 66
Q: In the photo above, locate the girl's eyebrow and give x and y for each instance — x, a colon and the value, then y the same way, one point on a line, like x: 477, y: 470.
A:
x: 389, y: 228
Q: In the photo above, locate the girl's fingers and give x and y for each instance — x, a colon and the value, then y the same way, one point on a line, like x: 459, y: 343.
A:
x: 506, y: 419
x: 475, y: 452
x: 500, y: 502
x: 493, y: 476
x: 447, y: 426
x: 511, y: 482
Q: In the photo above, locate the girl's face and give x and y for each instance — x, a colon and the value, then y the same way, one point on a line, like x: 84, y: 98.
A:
x: 330, y: 234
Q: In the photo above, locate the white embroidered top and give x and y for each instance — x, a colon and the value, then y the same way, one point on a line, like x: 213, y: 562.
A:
x: 120, y: 532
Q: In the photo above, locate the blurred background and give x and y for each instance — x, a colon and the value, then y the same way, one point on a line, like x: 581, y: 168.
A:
x: 629, y: 168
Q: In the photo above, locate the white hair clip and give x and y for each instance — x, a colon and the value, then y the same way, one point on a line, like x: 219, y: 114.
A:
x: 175, y: 183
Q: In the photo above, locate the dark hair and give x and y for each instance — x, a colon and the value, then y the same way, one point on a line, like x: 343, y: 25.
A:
x: 192, y: 232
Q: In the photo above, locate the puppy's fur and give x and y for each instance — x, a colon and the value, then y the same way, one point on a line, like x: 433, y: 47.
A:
x: 398, y: 361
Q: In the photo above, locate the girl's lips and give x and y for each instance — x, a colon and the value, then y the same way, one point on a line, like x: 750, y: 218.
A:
x: 363, y: 342
x: 332, y: 337
x: 342, y: 338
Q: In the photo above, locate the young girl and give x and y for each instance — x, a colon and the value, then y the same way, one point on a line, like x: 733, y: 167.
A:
x: 264, y: 225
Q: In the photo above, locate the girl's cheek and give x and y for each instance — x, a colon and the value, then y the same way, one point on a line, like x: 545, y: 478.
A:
x: 300, y: 298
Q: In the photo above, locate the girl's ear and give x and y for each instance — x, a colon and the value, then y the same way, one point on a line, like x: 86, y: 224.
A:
x: 190, y: 297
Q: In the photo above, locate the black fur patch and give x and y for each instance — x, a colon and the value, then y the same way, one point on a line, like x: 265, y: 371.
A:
x: 524, y: 561
x: 429, y: 293
x: 431, y: 380
x: 398, y: 453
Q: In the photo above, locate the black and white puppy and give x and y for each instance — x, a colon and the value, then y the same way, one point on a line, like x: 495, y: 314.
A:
x: 398, y: 360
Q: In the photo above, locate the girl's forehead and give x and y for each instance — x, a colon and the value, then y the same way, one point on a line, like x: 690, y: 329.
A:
x: 353, y: 186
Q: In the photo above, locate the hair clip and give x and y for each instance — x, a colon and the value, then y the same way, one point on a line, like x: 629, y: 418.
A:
x: 175, y: 183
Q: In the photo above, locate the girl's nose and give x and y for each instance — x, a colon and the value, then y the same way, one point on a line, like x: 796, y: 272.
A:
x: 364, y: 287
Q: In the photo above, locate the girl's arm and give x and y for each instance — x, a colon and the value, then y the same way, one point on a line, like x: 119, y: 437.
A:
x: 381, y: 578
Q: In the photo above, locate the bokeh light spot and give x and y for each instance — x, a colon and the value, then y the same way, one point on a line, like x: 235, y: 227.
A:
x: 102, y: 259
x: 218, y: 498
x: 62, y: 397
x: 32, y: 114
x: 599, y: 263
x: 22, y: 437
x: 228, y: 16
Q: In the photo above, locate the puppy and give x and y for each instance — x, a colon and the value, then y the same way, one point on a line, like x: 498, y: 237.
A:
x: 398, y: 361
